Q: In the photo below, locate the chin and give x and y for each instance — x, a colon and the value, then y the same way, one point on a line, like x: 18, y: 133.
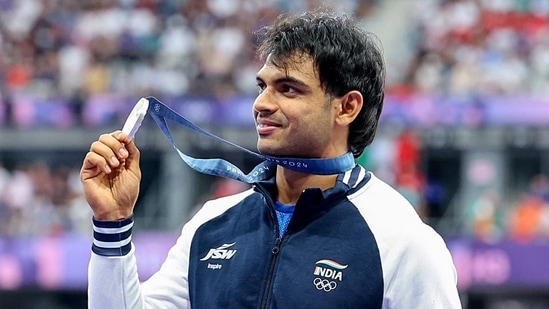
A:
x: 279, y: 153
x: 277, y: 150
x: 269, y: 151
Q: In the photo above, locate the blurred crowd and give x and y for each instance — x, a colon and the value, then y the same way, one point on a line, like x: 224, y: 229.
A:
x: 39, y: 199
x: 173, y: 47
x: 525, y: 221
x: 478, y: 47
x: 79, y: 49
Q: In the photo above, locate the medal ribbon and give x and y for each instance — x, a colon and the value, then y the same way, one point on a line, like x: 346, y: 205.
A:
x: 220, y: 167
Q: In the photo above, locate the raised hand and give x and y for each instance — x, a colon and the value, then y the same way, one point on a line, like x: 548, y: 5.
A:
x: 111, y: 176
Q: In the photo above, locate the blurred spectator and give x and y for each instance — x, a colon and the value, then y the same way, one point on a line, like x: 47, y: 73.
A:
x: 484, y: 218
x: 409, y: 179
x: 539, y: 187
x: 528, y: 221
x: 18, y: 193
x: 529, y: 218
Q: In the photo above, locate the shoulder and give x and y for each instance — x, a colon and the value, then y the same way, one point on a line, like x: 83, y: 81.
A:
x: 216, y: 207
x: 378, y: 201
x: 412, y: 253
x: 394, y: 221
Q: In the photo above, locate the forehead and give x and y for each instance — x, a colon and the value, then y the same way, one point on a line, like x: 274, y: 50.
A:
x: 299, y: 66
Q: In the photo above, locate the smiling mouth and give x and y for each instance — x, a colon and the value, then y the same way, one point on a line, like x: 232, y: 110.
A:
x: 266, y: 127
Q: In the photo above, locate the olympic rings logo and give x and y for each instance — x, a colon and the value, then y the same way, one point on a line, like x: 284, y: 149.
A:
x: 324, y: 284
x: 157, y: 107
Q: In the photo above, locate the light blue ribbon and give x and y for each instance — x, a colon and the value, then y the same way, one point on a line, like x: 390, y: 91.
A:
x: 219, y: 167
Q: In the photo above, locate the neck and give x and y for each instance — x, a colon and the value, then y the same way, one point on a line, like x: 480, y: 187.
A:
x: 291, y: 184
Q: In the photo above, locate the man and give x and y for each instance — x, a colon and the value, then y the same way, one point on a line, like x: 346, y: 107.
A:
x: 295, y: 240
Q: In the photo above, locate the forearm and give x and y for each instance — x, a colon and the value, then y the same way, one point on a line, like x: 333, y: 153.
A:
x: 112, y: 274
x: 113, y: 282
x: 113, y: 278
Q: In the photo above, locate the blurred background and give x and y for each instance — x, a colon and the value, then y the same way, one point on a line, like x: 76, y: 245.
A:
x: 464, y: 133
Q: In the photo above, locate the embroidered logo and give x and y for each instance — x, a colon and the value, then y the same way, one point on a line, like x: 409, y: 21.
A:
x: 220, y: 253
x: 327, y: 274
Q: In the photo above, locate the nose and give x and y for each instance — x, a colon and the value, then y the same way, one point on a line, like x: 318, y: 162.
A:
x: 264, y: 103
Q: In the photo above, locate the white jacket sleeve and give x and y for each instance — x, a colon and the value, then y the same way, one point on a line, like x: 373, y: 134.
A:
x: 422, y: 274
x: 418, y: 270
x: 113, y: 280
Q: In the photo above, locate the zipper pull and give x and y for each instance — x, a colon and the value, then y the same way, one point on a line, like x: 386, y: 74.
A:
x: 276, y: 247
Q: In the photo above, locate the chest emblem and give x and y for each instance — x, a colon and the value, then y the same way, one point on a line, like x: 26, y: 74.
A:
x: 222, y: 252
x: 328, y: 274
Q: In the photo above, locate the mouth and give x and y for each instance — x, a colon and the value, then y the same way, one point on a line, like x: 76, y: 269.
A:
x: 266, y: 127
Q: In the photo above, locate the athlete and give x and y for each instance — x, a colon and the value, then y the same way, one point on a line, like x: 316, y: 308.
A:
x: 295, y: 240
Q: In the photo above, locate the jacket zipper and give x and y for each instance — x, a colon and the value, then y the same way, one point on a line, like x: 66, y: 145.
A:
x: 275, y: 250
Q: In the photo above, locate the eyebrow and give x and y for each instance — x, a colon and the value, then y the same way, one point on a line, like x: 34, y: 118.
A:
x: 289, y: 80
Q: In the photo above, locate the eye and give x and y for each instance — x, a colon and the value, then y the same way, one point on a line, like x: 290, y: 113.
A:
x: 288, y: 89
x: 260, y: 87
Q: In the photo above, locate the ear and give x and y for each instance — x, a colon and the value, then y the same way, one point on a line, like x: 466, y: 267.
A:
x: 349, y: 107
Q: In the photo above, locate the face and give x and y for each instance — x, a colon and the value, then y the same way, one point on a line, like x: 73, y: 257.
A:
x: 294, y: 116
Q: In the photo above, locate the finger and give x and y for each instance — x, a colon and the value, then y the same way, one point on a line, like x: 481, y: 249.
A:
x: 132, y: 161
x: 116, y: 141
x: 133, y: 151
x: 93, y: 165
x: 121, y: 136
x: 106, y: 149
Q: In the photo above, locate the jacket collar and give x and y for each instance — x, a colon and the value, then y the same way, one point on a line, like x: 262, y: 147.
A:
x: 350, y: 180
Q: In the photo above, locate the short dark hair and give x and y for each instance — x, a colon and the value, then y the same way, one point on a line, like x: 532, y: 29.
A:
x: 345, y: 56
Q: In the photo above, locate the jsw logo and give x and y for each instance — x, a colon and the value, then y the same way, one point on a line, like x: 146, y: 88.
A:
x: 220, y: 253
